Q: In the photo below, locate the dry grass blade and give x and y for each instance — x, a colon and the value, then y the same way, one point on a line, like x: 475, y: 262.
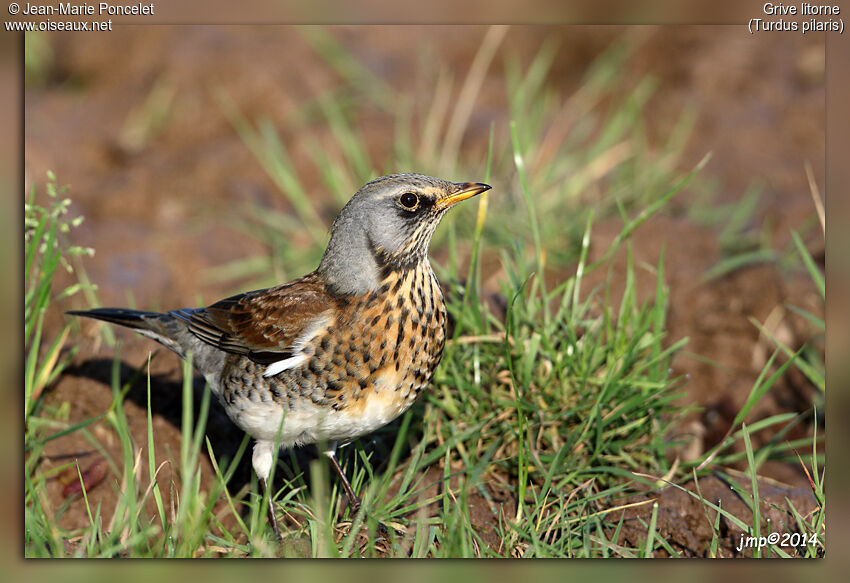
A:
x: 468, y: 94
x: 48, y: 366
x: 612, y: 509
x: 816, y: 196
x: 475, y: 339
x: 806, y: 470
x: 436, y: 117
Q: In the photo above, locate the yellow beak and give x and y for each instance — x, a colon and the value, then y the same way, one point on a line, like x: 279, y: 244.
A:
x: 464, y: 190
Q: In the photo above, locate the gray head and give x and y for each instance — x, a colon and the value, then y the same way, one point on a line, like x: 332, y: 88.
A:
x: 387, y: 223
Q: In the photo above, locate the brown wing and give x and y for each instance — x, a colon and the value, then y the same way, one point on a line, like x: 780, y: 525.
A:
x: 262, y: 324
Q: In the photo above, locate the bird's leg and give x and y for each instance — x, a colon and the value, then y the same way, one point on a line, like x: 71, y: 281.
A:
x: 270, y: 509
x: 262, y: 460
x: 353, y: 501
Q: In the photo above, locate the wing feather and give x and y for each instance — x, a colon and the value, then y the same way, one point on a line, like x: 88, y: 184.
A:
x: 264, y: 325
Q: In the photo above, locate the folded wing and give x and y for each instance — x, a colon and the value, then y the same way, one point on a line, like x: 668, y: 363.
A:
x: 269, y: 326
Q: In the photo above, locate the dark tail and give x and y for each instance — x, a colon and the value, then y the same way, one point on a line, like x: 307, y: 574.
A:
x: 163, y: 328
x: 123, y: 317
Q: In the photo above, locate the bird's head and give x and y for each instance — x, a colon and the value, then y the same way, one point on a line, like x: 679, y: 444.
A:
x: 388, y: 224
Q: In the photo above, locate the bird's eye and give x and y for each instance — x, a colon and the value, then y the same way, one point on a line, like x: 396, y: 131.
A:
x: 408, y: 200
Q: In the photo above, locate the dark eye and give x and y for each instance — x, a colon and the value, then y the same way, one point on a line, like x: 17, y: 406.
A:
x: 408, y: 200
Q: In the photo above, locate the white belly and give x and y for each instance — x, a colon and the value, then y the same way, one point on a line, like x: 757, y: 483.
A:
x: 310, y: 423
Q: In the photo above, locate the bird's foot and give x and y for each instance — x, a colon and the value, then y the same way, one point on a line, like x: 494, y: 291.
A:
x: 270, y: 512
x: 273, y: 521
x: 354, y: 507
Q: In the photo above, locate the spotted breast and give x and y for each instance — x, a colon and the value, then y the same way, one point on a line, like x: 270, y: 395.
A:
x: 348, y: 379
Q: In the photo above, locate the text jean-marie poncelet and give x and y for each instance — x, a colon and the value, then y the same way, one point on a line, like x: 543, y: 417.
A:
x: 85, y: 9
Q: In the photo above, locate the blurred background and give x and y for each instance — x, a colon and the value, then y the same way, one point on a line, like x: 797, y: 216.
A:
x: 211, y: 160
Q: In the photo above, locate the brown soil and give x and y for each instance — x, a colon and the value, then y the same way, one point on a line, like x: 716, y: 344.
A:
x: 159, y: 210
x: 686, y: 524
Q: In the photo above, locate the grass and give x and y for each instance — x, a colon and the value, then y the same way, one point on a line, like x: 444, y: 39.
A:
x: 551, y: 424
x: 44, y: 228
x: 553, y: 408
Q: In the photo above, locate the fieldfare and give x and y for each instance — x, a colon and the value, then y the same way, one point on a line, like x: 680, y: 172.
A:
x: 335, y: 354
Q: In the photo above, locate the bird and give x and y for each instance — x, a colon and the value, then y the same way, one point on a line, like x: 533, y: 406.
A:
x: 337, y: 353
